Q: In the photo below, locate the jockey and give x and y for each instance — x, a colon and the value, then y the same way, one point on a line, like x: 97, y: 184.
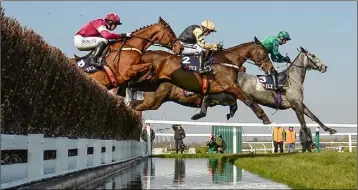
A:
x: 95, y: 35
x: 271, y: 45
x: 193, y: 41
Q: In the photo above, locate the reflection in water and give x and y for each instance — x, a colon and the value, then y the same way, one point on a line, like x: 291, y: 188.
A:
x: 179, y: 170
x: 223, y: 171
x: 169, y: 175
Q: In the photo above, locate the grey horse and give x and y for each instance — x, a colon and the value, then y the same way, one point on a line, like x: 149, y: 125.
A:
x: 258, y: 88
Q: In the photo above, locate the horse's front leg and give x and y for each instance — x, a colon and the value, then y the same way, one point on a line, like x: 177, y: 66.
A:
x: 233, y: 109
x: 259, y: 112
x: 203, y: 110
x: 309, y: 114
x: 299, y: 109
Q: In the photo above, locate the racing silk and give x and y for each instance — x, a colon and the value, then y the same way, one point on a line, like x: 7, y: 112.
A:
x: 97, y: 28
x: 194, y: 35
x: 271, y: 45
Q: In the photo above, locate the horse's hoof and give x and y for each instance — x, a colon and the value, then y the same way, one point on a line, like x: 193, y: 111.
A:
x: 266, y: 122
x: 332, y: 131
x: 228, y: 116
x: 196, y: 117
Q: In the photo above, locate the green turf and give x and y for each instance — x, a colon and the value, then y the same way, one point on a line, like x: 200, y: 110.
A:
x: 324, y: 170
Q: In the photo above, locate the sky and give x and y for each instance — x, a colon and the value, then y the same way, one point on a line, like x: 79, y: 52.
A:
x: 328, y: 29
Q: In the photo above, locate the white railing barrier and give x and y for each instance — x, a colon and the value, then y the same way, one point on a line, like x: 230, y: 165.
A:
x: 349, y: 142
x: 235, y: 125
x: 37, y: 168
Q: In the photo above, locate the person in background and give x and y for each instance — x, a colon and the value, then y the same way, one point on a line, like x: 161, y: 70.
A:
x: 179, y: 135
x: 278, y: 136
x: 290, y: 138
x: 306, y: 143
x: 144, y: 135
x: 212, y: 145
x: 221, y: 145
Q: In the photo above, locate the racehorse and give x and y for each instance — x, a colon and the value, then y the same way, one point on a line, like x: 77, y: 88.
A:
x: 120, y: 56
x: 258, y: 88
x: 225, y: 65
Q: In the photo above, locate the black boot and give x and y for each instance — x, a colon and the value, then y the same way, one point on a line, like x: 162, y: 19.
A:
x: 99, y: 49
x: 202, y: 63
x: 275, y: 80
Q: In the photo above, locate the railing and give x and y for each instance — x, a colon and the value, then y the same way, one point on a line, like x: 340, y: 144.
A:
x: 236, y: 125
x: 265, y: 149
x: 36, y: 168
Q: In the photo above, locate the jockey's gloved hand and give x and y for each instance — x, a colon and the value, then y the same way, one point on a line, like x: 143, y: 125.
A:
x: 128, y: 34
x: 220, y: 46
x: 287, y: 59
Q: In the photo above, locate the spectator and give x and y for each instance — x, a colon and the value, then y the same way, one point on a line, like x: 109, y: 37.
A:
x: 306, y: 142
x: 278, y: 138
x: 212, y: 145
x: 290, y: 138
x: 144, y: 135
x: 179, y: 135
x: 220, y: 143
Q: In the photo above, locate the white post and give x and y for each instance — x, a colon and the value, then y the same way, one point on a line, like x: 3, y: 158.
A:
x: 82, y: 153
x: 116, y: 152
x: 108, y: 155
x: 263, y: 144
x: 35, y: 155
x: 350, y: 142
x: 234, y: 140
x: 149, y: 141
x: 61, y: 154
x: 97, y: 152
x: 234, y: 169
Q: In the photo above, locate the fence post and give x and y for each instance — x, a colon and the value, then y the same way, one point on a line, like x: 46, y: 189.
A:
x: 234, y: 140
x: 108, y: 155
x: 97, y: 152
x: 61, y: 154
x: 82, y: 153
x: 149, y: 141
x: 317, y: 140
x: 35, y: 155
x: 350, y: 142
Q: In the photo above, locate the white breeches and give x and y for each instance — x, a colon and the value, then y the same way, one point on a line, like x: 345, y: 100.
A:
x: 191, y: 49
x: 87, y: 43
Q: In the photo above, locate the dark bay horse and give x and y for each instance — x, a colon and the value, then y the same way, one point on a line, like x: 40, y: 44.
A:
x: 253, y: 87
x: 225, y: 65
x: 121, y: 56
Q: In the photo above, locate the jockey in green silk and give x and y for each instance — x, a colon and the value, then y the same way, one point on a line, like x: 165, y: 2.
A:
x: 271, y: 45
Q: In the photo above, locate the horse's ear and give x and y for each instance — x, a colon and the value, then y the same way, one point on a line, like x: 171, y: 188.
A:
x: 303, y: 49
x: 160, y: 20
x: 257, y: 41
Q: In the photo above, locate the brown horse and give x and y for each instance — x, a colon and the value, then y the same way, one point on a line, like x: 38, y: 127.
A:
x: 123, y: 55
x: 167, y: 92
x: 225, y: 65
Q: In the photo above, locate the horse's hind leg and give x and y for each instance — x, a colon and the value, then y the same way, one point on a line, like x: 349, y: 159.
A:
x: 309, y: 114
x: 203, y: 110
x: 152, y: 100
x: 233, y: 109
x: 259, y: 112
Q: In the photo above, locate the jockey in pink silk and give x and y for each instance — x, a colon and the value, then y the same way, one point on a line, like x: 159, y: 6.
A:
x: 95, y: 35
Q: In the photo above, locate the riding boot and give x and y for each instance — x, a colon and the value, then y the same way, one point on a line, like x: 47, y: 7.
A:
x: 202, y: 63
x: 99, y: 49
x: 276, y: 82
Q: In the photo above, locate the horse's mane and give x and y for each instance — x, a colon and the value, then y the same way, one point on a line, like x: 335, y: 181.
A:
x: 144, y: 27
x: 242, y: 44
